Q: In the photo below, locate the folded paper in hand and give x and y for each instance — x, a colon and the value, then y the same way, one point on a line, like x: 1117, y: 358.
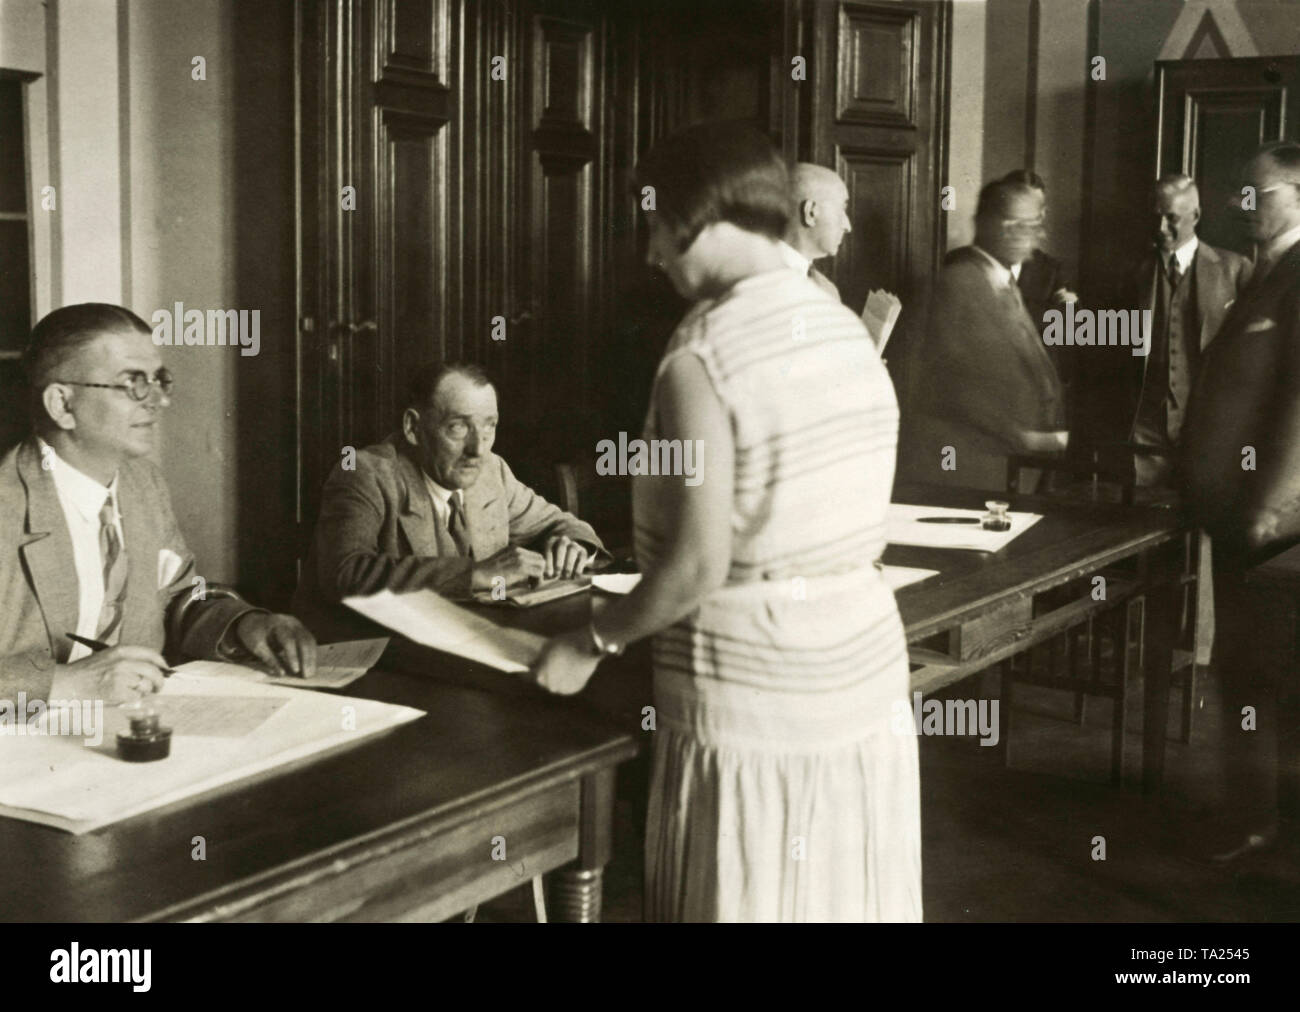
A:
x: 879, y: 316
x: 426, y: 618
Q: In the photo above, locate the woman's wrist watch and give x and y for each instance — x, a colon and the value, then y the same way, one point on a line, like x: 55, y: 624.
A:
x: 602, y: 647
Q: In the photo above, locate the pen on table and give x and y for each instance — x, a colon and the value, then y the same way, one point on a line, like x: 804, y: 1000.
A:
x: 948, y: 520
x: 97, y: 645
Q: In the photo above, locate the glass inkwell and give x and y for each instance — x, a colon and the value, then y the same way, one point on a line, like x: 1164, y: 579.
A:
x: 996, y: 518
x: 147, y: 740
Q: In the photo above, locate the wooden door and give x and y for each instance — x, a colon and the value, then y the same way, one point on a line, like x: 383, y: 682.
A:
x: 378, y: 276
x: 1213, y: 115
x: 878, y: 76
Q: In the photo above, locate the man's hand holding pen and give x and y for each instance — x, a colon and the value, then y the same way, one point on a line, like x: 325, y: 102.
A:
x: 114, y: 675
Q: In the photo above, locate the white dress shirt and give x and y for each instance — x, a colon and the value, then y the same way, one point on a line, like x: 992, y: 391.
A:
x: 441, y: 498
x: 82, y: 497
x: 1184, y: 253
x: 795, y: 260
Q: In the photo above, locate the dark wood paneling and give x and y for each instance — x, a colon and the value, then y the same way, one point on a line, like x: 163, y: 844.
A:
x: 882, y: 189
x: 877, y: 66
x: 878, y: 117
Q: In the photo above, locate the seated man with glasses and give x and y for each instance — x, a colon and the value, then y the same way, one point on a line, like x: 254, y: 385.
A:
x: 89, y: 547
x: 982, y: 386
x: 432, y: 507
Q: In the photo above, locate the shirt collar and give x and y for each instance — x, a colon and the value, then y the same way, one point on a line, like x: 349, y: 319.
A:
x: 795, y: 260
x: 1184, y: 254
x: 1002, y: 276
x: 1280, y: 245
x: 76, y: 487
x: 440, y: 494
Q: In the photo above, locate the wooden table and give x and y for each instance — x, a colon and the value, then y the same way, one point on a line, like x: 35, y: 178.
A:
x: 980, y: 609
x: 400, y: 827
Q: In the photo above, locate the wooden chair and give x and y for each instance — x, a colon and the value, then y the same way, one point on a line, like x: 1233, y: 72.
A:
x: 1076, y: 661
x: 604, y: 501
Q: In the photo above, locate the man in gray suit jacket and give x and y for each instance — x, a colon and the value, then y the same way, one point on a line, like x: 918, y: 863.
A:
x: 1188, y: 285
x: 983, y: 387
x: 88, y: 541
x: 432, y: 507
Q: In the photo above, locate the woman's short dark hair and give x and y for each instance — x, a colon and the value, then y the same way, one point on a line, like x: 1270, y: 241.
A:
x: 715, y: 172
x: 60, y: 333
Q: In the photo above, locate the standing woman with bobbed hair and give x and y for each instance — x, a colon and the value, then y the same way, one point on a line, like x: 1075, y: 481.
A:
x: 780, y: 791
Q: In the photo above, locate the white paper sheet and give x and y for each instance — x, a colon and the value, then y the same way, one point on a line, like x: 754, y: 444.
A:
x: 77, y: 785
x: 616, y: 583
x: 426, y: 618
x: 899, y: 577
x: 338, y: 665
x: 879, y: 316
x: 904, y: 528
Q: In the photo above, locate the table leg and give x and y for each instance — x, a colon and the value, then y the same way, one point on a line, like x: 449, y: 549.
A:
x: 576, y: 890
x: 1163, y: 602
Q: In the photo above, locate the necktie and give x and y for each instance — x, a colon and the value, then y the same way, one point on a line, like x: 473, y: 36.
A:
x: 458, y: 529
x: 111, y: 553
x: 1175, y: 271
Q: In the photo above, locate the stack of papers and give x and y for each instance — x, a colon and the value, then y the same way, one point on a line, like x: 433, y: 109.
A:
x: 426, y: 618
x: 879, y: 316
x: 904, y: 526
x: 225, y: 727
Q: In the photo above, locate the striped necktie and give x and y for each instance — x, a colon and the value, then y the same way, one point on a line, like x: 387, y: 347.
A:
x: 113, y: 556
x: 458, y: 528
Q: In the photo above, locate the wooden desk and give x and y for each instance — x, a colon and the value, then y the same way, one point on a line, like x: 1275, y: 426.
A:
x: 980, y: 609
x: 400, y: 827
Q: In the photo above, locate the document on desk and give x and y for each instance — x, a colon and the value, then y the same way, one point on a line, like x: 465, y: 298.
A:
x: 427, y: 618
x: 338, y: 665
x: 904, y: 526
x: 616, y: 583
x: 898, y: 577
x: 224, y: 729
x: 547, y: 590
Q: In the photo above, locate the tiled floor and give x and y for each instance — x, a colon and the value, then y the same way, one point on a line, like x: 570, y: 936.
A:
x: 1016, y: 844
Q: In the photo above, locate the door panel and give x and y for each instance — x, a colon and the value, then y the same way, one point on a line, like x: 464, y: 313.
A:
x: 879, y: 120
x: 1213, y: 115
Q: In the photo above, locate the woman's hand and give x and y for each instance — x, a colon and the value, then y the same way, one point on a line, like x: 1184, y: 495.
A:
x: 566, y: 663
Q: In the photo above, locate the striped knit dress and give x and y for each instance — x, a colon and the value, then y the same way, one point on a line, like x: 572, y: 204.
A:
x: 780, y: 791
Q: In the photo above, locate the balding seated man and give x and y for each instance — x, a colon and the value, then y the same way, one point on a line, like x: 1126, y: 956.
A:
x: 432, y: 507
x: 820, y: 223
x: 89, y: 545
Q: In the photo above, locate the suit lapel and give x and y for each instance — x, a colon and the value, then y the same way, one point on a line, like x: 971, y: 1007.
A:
x: 1286, y: 266
x: 417, y: 517
x: 1207, y: 270
x: 47, y: 552
x: 480, y: 499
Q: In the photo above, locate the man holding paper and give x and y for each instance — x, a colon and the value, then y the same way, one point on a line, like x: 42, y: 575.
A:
x: 432, y: 507
x: 89, y: 546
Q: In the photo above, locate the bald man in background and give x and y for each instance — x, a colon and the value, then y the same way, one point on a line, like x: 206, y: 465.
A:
x: 820, y: 223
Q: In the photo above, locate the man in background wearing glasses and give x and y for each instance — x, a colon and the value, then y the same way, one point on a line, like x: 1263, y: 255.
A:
x: 88, y: 542
x: 1241, y: 460
x: 982, y: 385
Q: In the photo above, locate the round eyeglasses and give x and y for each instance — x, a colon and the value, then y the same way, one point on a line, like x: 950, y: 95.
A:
x: 137, y: 385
